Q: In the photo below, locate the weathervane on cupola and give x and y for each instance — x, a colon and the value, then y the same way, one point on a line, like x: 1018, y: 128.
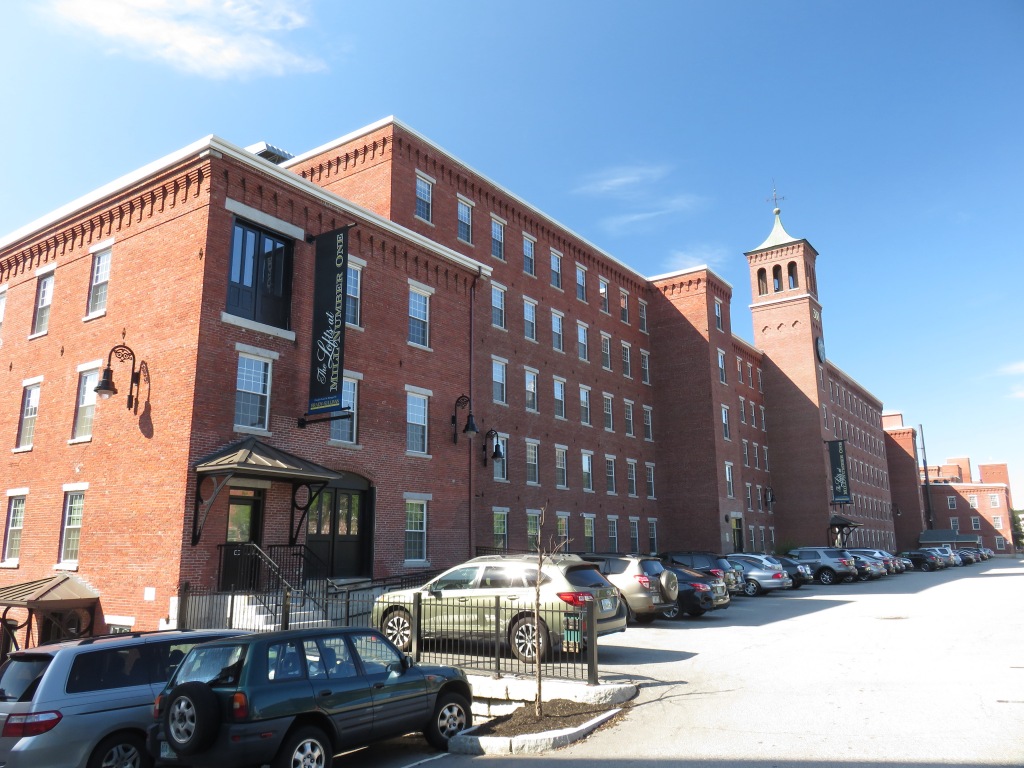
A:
x: 774, y: 199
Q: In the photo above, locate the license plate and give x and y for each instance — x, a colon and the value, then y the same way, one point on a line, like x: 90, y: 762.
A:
x: 166, y: 753
x: 607, y: 604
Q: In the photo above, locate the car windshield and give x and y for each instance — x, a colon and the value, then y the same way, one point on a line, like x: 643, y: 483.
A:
x: 586, y: 576
x: 19, y: 676
x: 724, y: 564
x: 690, y: 574
x: 652, y: 567
x: 217, y: 665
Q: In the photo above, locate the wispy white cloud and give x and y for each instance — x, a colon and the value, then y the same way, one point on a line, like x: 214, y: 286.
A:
x: 710, y: 255
x: 628, y: 180
x: 1017, y: 392
x: 1013, y: 369
x: 639, y: 219
x: 210, y: 38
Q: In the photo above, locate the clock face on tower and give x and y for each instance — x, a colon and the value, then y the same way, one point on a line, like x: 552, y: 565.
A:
x: 819, y: 346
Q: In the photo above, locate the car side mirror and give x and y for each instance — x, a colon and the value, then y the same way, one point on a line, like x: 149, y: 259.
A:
x: 407, y: 662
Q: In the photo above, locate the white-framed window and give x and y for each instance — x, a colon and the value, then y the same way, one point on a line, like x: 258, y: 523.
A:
x: 559, y: 394
x: 975, y: 523
x: 532, y: 529
x: 634, y: 534
x: 499, y: 373
x: 557, y: 331
x: 746, y: 453
x: 631, y: 477
x: 44, y: 298
x: 499, y: 526
x: 997, y: 522
x: 721, y: 367
x: 587, y: 464
x: 609, y: 415
x: 584, y: 404
x: 954, y: 523
x: 641, y: 307
x: 627, y: 360
x: 951, y: 502
x: 627, y: 414
x: 500, y: 465
x: 743, y: 410
x: 764, y: 423
x: 415, y: 529
x: 419, y: 316
x: 497, y: 238
x: 972, y: 500
x: 556, y: 269
x: 764, y: 448
x: 1000, y: 543
x: 347, y: 430
x: 648, y: 423
x: 15, y: 524
x: 750, y: 374
x: 417, y: 405
x: 465, y: 214
x: 645, y: 367
x: 726, y: 431
x: 29, y: 412
x: 609, y: 474
x: 532, y: 378
x: 354, y: 292
x: 424, y: 197
x: 757, y: 456
x: 581, y: 282
x: 652, y: 535
x: 561, y: 470
x: 71, y: 528
x: 582, y: 343
x: 613, y: 533
x: 85, y: 405
x: 563, y: 529
x: 529, y: 258
x: 3, y: 304
x: 497, y: 305
x: 606, y: 351
x: 530, y: 319
x: 719, y: 323
x: 749, y: 490
x: 730, y: 485
x: 760, y: 499
x: 100, y: 278
x: 589, y: 541
x: 532, y: 462
x: 624, y: 306
x: 993, y: 500
x: 649, y: 472
x: 760, y: 381
x: 602, y: 291
x: 739, y: 370
x: 252, y: 391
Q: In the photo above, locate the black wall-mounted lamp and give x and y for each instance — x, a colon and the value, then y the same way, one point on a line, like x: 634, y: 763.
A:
x: 498, y: 454
x: 106, y: 386
x: 470, y: 428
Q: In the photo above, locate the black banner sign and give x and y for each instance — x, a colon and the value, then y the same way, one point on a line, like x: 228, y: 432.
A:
x: 327, y: 363
x: 840, y: 478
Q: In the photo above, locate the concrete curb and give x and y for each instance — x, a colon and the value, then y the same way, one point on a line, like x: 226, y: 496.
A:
x: 466, y: 743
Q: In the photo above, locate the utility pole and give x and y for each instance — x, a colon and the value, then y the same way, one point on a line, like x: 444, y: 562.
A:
x: 929, y: 520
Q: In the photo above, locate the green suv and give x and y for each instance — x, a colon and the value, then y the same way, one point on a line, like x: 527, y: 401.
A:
x: 299, y: 697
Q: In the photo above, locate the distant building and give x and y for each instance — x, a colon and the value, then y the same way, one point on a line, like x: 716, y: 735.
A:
x: 979, y: 506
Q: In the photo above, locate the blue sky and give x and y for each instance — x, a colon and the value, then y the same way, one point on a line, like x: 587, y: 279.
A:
x: 653, y: 129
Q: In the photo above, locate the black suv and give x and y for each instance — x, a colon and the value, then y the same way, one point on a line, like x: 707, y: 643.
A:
x: 706, y: 562
x: 298, y: 697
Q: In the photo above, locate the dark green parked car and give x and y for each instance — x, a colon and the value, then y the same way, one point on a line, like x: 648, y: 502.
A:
x: 299, y: 697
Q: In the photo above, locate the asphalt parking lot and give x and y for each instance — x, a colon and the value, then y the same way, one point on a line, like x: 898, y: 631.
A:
x: 917, y: 670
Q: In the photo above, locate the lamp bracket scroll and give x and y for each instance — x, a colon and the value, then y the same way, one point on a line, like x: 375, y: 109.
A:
x: 106, y: 387
x: 470, y: 429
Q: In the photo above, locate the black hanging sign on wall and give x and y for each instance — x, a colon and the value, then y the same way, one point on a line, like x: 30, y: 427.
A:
x: 327, y: 363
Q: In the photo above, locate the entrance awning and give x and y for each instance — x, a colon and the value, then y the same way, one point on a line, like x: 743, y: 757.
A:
x: 56, y: 593
x: 255, y: 459
x: 840, y: 527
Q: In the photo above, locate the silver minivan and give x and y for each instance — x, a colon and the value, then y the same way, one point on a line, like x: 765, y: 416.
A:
x: 86, y: 703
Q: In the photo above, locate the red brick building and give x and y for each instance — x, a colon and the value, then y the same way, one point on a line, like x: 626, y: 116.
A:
x: 904, y: 481
x: 979, y: 506
x: 628, y: 414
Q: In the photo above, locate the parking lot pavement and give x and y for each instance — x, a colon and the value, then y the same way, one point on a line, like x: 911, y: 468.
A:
x: 916, y: 670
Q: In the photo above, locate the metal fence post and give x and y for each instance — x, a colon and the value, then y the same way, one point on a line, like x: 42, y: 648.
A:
x: 183, y: 595
x: 591, y: 642
x: 414, y: 641
x: 231, y: 607
x: 286, y: 607
x: 497, y: 636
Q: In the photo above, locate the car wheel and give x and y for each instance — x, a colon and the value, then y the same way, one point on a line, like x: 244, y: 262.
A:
x: 827, y: 576
x: 669, y: 584
x: 751, y: 588
x: 397, y: 628
x: 121, y: 750
x: 696, y: 612
x: 926, y: 567
x: 645, y: 618
x: 529, y: 640
x: 192, y: 717
x: 307, y: 747
x: 673, y: 613
x: 452, y: 715
x: 797, y: 584
x: 864, y: 577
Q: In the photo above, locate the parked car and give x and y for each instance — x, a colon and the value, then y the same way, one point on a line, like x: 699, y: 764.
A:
x: 798, y: 572
x: 300, y: 696
x: 979, y: 554
x: 760, y: 576
x: 698, y: 593
x: 908, y: 564
x: 567, y: 582
x: 888, y: 559
x: 643, y: 581
x: 869, y: 568
x: 830, y: 565
x: 945, y: 553
x: 967, y: 557
x: 706, y: 562
x: 924, y: 560
x: 86, y: 703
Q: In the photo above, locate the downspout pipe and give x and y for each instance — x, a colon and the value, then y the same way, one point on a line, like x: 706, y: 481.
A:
x: 472, y: 376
